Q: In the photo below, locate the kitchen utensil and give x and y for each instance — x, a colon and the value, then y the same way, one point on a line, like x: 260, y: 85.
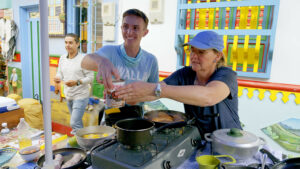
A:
x: 290, y: 163
x: 240, y: 144
x: 177, y: 117
x: 67, y: 154
x: 166, y: 150
x: 88, y: 143
x: 226, y: 166
x: 134, y: 131
x: 211, y: 161
x: 138, y: 131
x: 111, y: 100
x: 264, y: 159
x: 115, y: 114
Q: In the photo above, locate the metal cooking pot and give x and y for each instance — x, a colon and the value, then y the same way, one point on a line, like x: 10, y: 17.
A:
x: 88, y: 143
x: 134, y: 131
x: 240, y: 144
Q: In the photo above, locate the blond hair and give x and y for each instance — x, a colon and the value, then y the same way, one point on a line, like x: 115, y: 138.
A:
x: 221, y: 62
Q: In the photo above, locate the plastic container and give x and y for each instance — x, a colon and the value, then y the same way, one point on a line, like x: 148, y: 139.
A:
x: 111, y: 100
x: 4, y: 129
x: 23, y: 134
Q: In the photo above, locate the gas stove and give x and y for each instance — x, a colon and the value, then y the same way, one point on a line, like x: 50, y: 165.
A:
x: 168, y: 149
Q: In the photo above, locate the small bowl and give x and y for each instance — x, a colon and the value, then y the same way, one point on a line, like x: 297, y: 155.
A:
x: 30, y: 153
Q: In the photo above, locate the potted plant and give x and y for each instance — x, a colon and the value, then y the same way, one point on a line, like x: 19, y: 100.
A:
x: 62, y: 17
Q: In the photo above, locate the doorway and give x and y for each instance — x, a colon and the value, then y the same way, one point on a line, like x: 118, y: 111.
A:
x: 30, y: 52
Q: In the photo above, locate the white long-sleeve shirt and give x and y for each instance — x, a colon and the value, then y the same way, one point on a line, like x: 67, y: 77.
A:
x: 70, y: 69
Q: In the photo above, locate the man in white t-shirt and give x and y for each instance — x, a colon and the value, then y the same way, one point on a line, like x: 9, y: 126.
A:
x: 76, y: 80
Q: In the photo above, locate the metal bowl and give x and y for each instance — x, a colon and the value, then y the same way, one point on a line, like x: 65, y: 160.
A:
x: 88, y: 143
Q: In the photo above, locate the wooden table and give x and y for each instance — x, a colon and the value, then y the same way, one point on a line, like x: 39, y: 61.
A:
x: 12, y: 118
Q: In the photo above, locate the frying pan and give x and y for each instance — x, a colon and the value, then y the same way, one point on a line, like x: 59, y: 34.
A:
x: 179, y: 118
x: 224, y: 166
x: 251, y: 166
x: 67, y: 154
x: 291, y: 163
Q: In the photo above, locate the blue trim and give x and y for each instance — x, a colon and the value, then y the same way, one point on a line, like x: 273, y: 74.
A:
x: 71, y: 16
x: 35, y: 58
x: 25, y: 53
x: 95, y: 27
x: 178, y: 41
x: 89, y: 26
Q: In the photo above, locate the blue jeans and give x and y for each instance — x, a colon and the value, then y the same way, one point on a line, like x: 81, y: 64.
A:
x: 77, y: 108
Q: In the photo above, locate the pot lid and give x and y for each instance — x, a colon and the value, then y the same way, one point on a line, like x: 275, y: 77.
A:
x: 235, y: 137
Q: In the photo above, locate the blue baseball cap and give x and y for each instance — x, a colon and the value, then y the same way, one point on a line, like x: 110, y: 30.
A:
x: 207, y: 40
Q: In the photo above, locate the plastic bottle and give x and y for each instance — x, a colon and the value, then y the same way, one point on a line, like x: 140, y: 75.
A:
x: 4, y: 129
x: 23, y: 134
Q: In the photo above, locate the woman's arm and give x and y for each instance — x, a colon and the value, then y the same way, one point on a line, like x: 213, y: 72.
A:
x: 208, y: 95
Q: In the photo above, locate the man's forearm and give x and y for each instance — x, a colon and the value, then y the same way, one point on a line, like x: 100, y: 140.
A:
x: 91, y: 62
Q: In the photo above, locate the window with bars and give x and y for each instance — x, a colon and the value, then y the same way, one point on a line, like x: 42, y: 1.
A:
x: 248, y: 30
x: 85, y: 19
x: 87, y: 23
x: 56, y: 17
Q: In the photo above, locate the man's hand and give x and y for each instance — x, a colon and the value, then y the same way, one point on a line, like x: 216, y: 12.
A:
x: 71, y: 83
x: 105, y: 71
x: 104, y: 67
x: 56, y: 79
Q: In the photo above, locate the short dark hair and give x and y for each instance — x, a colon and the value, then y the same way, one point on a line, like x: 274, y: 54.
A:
x: 73, y: 35
x: 138, y: 13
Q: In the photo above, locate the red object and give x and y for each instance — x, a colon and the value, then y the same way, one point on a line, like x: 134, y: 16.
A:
x: 60, y: 128
x: 256, y: 84
x: 54, y: 61
x: 261, y: 15
x: 227, y: 18
x: 249, y: 18
x: 17, y: 57
x: 269, y: 85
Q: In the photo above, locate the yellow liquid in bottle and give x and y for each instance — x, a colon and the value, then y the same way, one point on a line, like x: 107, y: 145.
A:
x: 24, y: 142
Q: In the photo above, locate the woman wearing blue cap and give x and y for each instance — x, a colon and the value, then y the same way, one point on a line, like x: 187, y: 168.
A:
x: 208, y: 90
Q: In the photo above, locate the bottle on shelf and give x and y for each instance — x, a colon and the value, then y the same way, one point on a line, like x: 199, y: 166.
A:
x: 23, y: 134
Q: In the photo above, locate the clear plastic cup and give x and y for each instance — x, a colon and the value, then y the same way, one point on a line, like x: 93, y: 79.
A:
x: 111, y: 100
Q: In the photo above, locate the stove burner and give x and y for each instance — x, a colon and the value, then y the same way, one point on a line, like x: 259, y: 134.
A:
x: 146, y: 152
x: 137, y: 148
x: 172, y: 145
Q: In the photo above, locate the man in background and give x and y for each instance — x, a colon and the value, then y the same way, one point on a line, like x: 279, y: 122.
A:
x: 76, y: 80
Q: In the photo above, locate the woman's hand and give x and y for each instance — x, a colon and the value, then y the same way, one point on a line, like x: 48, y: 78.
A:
x: 136, y: 92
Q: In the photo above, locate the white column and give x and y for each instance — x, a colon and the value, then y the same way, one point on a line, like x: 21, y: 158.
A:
x: 46, y: 83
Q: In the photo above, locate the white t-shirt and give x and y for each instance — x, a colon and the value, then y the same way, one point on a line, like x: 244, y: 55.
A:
x: 70, y: 69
